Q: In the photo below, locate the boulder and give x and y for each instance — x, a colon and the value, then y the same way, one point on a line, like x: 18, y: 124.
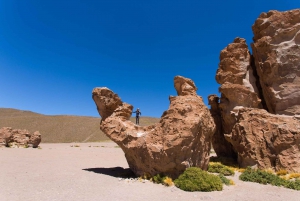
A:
x: 181, y: 139
x: 266, y: 140
x: 19, y: 137
x: 276, y: 49
x: 5, y: 135
x: 35, y: 139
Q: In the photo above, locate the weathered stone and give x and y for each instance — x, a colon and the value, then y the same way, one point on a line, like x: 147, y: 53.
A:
x: 235, y: 65
x: 5, y: 135
x: 35, y: 139
x: 106, y: 101
x: 270, y: 80
x: 276, y: 50
x: 181, y: 139
x: 238, y: 89
x: 265, y: 140
x: 238, y: 84
x: 19, y: 137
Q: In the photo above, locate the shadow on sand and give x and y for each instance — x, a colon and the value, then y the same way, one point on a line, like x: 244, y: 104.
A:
x: 114, y: 172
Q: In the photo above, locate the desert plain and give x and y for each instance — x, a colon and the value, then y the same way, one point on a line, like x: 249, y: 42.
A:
x: 96, y: 171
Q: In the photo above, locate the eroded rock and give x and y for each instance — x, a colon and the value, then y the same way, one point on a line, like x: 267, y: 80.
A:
x: 238, y: 89
x: 276, y: 50
x: 270, y: 80
x: 181, y: 139
x: 19, y: 137
x: 265, y: 140
x: 238, y: 84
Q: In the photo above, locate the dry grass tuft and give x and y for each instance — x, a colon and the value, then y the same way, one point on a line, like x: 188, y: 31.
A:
x: 293, y: 175
x: 168, y: 181
x: 282, y: 172
x: 269, y: 170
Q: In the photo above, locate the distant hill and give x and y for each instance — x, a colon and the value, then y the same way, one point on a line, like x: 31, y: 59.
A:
x: 59, y: 128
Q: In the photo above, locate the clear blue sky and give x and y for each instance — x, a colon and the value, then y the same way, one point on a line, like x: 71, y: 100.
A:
x: 54, y: 52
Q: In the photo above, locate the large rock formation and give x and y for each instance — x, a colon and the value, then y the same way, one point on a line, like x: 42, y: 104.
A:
x: 276, y: 50
x: 181, y: 139
x: 20, y: 138
x: 252, y: 86
x: 238, y: 84
x: 238, y: 89
x: 266, y: 140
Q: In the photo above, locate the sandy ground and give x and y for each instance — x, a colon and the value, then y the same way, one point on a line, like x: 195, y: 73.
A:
x: 92, y: 172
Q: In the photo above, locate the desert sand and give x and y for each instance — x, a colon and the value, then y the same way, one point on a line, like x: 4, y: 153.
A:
x: 93, y: 171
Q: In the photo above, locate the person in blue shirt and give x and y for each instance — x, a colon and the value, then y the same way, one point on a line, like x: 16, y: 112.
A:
x: 137, y: 116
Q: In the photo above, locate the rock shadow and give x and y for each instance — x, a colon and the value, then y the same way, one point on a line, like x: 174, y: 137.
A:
x: 113, y: 171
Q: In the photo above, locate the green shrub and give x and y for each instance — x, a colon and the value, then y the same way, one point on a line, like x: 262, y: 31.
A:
x: 217, y: 167
x: 293, y: 184
x: 224, y: 179
x: 195, y: 179
x: 158, y: 179
x: 263, y: 177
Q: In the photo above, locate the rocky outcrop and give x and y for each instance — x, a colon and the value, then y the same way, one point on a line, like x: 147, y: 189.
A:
x: 238, y: 89
x: 181, y: 139
x: 19, y: 138
x: 265, y: 140
x: 238, y: 84
x: 276, y: 50
x: 254, y: 85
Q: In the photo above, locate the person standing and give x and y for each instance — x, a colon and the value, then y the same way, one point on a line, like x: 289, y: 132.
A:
x: 137, y: 116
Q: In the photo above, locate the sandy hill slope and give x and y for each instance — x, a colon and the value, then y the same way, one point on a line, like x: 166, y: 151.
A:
x: 59, y: 128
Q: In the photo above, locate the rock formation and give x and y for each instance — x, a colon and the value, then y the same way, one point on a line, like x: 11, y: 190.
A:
x: 266, y: 140
x: 20, y: 138
x: 238, y: 84
x: 181, y: 139
x: 238, y: 89
x: 276, y: 50
x: 254, y: 85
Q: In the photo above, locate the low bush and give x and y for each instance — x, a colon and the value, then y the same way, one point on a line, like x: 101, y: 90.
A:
x: 224, y: 179
x: 263, y: 177
x: 158, y: 179
x: 195, y: 179
x: 216, y: 167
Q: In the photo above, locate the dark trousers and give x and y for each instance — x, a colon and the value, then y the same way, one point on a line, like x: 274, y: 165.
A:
x: 137, y: 120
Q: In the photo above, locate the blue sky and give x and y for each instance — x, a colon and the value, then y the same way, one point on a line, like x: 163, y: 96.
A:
x: 53, y: 53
